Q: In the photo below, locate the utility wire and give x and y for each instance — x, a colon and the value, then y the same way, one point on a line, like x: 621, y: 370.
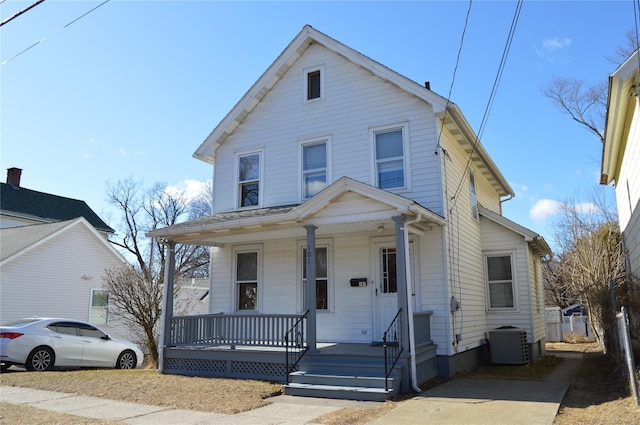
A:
x: 53, y: 33
x: 15, y: 15
x: 494, y: 89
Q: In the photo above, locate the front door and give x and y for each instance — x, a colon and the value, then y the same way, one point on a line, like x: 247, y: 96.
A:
x: 385, y: 288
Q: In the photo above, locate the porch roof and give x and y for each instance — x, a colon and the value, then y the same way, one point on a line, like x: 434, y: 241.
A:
x: 288, y: 220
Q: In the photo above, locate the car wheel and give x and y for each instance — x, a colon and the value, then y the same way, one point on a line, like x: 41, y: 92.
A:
x: 40, y: 359
x: 126, y: 360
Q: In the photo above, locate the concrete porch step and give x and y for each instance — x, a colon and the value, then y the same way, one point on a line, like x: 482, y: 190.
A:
x: 338, y: 392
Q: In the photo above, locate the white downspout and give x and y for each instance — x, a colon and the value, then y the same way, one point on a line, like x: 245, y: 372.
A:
x: 410, y: 301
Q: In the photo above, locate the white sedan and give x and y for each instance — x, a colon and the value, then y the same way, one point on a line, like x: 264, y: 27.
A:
x: 42, y: 343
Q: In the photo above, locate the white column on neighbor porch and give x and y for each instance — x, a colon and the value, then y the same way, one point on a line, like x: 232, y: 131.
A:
x: 167, y: 295
x: 401, y: 275
x: 311, y: 287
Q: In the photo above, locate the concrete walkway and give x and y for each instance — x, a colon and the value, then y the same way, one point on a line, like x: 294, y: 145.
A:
x: 459, y: 401
x: 489, y: 401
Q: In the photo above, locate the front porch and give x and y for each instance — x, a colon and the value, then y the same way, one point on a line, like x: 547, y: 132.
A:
x: 275, y: 348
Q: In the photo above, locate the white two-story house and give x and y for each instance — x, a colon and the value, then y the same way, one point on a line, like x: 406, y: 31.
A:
x: 357, y: 217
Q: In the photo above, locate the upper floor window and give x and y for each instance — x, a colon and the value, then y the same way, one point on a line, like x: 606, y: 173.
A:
x: 249, y: 180
x: 500, y: 284
x: 314, y: 83
x: 390, y: 158
x: 314, y: 167
x: 472, y: 193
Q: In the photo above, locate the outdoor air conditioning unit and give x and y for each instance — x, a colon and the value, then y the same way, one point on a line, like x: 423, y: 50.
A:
x: 508, y: 345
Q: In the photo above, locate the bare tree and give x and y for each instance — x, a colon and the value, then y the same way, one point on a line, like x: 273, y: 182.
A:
x: 586, y: 103
x: 135, y: 293
x: 591, y: 257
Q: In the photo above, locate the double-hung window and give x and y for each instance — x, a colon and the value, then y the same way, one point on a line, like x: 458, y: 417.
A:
x: 322, y: 278
x: 500, y: 283
x: 246, y: 279
x: 314, y: 167
x: 249, y: 180
x: 99, y: 309
x: 390, y: 158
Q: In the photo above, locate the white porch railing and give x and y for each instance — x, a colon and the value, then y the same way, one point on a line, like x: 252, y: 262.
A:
x: 265, y: 330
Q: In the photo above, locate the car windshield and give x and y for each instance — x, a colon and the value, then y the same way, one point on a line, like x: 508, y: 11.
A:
x: 20, y: 323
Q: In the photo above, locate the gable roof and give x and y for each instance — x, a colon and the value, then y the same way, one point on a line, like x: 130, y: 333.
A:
x: 454, y: 121
x: 621, y: 103
x: 206, y: 230
x: 17, y: 241
x: 534, y: 240
x: 30, y: 204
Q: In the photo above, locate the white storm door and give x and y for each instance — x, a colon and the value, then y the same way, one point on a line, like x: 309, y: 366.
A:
x: 385, y: 288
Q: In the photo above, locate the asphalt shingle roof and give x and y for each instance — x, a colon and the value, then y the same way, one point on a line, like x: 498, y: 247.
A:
x: 27, y: 202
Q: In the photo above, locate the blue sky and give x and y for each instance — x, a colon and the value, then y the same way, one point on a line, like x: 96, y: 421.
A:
x: 133, y: 88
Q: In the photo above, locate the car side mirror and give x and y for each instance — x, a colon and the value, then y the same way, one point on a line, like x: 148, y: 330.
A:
x: 106, y: 337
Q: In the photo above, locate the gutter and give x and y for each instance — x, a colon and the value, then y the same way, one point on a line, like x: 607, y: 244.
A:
x: 412, y: 344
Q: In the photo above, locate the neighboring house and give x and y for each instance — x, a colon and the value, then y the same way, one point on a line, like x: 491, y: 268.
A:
x: 55, y: 270
x: 353, y: 209
x: 621, y: 154
x: 20, y: 206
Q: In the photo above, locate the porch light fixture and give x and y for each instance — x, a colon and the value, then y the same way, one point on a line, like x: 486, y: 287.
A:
x: 380, y: 228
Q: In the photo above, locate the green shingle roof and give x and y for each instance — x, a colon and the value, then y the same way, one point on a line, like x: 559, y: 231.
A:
x: 30, y: 203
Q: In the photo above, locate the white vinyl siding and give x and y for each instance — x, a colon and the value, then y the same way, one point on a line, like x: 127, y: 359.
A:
x: 62, y: 272
x: 355, y: 102
x: 472, y: 195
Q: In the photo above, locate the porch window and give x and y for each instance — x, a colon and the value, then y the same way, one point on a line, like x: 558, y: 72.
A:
x: 249, y: 180
x: 99, y: 308
x: 500, y: 285
x: 389, y: 152
x: 247, y: 280
x: 474, y: 199
x: 314, y: 168
x: 322, y: 278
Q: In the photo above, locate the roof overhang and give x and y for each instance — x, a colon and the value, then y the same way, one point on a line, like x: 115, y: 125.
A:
x: 288, y: 221
x: 624, y: 86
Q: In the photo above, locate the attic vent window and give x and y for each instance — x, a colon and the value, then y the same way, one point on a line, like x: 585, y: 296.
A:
x: 314, y: 84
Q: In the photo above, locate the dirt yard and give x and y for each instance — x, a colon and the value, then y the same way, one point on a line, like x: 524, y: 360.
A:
x: 595, y: 396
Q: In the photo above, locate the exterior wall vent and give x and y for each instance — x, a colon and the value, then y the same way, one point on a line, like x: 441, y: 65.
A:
x: 508, y: 345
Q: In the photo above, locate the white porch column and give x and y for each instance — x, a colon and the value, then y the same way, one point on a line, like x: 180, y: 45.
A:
x: 311, y: 287
x: 401, y: 275
x: 167, y: 297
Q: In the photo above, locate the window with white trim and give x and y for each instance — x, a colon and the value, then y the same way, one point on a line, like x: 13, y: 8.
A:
x: 314, y: 83
x: 249, y: 180
x: 472, y: 193
x: 314, y: 167
x: 389, y: 154
x: 99, y: 308
x: 246, y: 276
x: 500, y: 282
x: 322, y: 277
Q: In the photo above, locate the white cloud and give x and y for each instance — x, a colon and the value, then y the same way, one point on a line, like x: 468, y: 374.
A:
x: 520, y: 189
x: 123, y: 152
x: 586, y: 208
x: 545, y: 208
x: 556, y: 43
x: 188, y: 188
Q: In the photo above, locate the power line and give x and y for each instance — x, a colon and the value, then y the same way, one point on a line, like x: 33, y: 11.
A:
x: 505, y: 54
x: 42, y: 40
x: 15, y: 15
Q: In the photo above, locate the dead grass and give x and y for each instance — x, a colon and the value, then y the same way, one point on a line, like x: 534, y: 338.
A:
x: 19, y: 414
x: 149, y: 387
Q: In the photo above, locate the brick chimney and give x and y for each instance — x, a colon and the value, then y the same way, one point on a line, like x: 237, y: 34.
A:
x: 13, y: 176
